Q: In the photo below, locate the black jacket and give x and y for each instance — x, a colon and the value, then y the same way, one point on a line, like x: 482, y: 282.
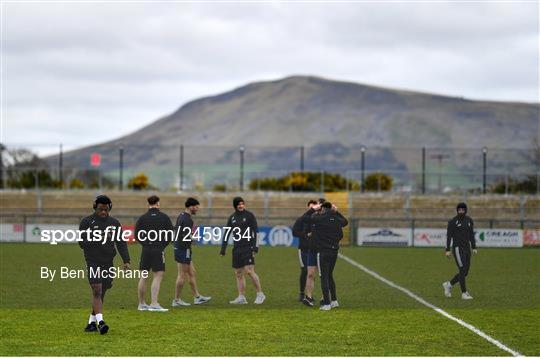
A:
x: 243, y: 230
x: 183, y: 231
x: 327, y: 228
x: 97, y: 251
x: 460, y: 232
x: 155, y: 220
x: 300, y: 229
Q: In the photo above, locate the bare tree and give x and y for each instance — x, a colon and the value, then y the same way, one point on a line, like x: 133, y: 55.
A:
x: 19, y: 158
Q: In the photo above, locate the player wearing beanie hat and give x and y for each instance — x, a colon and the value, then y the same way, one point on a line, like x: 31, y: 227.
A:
x: 242, y: 227
x: 460, y: 233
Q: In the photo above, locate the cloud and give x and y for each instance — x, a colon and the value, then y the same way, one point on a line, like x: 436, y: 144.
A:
x: 81, y: 73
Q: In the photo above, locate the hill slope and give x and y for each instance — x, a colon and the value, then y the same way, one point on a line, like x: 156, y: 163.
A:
x: 334, y: 118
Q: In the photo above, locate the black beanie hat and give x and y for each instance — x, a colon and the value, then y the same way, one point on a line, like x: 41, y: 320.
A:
x: 237, y: 200
x: 191, y: 202
x: 461, y: 206
x: 327, y: 205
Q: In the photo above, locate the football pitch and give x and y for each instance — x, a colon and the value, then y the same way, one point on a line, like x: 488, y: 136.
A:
x: 39, y: 317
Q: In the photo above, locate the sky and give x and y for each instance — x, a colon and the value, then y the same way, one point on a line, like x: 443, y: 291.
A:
x: 80, y: 73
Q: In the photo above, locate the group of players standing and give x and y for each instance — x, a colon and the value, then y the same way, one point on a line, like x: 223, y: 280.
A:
x: 99, y: 255
x: 319, y: 231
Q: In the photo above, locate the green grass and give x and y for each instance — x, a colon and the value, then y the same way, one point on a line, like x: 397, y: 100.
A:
x: 47, y: 318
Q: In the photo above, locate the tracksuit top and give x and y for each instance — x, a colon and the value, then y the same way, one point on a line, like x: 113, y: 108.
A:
x: 183, y: 229
x: 244, y: 220
x: 460, y: 232
x: 153, y: 219
x: 326, y: 228
x: 96, y: 251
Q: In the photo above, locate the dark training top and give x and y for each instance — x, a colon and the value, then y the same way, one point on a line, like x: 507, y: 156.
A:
x: 183, y: 230
x: 327, y: 228
x: 301, y: 229
x: 96, y: 251
x: 156, y: 221
x: 460, y: 232
x: 247, y: 236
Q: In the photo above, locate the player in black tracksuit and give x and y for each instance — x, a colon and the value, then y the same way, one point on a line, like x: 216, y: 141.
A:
x: 99, y: 256
x: 327, y: 228
x: 307, y: 255
x: 152, y: 255
x: 242, y: 227
x: 460, y: 235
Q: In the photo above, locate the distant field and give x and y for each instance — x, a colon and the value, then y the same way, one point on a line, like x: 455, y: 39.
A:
x: 43, y: 318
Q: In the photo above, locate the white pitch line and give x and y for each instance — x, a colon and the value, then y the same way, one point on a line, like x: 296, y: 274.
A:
x: 433, y: 307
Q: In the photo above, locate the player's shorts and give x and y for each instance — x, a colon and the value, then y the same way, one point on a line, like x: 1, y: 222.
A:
x: 183, y: 255
x: 242, y: 256
x: 152, y: 259
x: 307, y: 257
x: 99, y: 273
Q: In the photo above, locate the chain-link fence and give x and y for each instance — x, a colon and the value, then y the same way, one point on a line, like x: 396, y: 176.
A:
x: 238, y: 168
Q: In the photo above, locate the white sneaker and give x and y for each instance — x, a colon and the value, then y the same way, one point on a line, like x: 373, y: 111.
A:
x: 334, y: 304
x: 201, y: 299
x: 142, y: 307
x: 179, y: 303
x: 157, y: 308
x: 466, y: 296
x: 447, y: 288
x: 325, y: 308
x: 260, y: 298
x: 240, y: 300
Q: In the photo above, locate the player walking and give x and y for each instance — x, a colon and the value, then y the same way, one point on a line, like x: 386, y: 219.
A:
x: 242, y: 227
x: 460, y: 232
x: 152, y: 255
x: 98, y: 244
x: 183, y: 255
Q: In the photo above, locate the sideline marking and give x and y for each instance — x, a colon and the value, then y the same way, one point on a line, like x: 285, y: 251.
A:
x: 433, y: 307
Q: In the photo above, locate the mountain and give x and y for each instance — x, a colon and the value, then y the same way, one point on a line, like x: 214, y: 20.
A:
x: 333, y: 119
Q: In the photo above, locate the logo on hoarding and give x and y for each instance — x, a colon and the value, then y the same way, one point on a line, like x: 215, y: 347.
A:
x: 385, y: 233
x: 424, y: 237
x: 280, y: 235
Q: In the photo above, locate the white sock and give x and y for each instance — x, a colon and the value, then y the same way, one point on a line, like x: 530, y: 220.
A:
x: 91, y: 319
x: 99, y: 317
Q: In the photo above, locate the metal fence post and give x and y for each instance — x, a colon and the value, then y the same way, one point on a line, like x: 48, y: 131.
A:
x: 484, y: 177
x: 423, y: 170
x: 413, y: 225
x: 352, y: 233
x: 121, y: 167
x: 363, y: 169
x: 61, y: 167
x: 355, y: 226
x: 242, y: 150
x: 210, y: 205
x: 24, y: 228
x: 266, y: 204
x: 181, y: 168
x: 2, y: 174
x: 302, y: 159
